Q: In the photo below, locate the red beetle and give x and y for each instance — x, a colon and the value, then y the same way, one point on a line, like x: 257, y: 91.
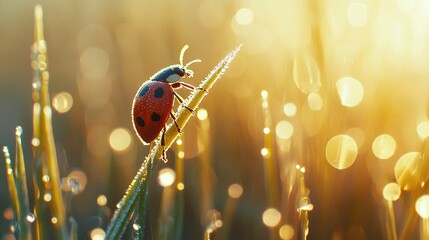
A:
x: 153, y: 102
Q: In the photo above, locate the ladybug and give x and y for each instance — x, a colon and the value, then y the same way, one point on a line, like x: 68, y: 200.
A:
x: 154, y: 101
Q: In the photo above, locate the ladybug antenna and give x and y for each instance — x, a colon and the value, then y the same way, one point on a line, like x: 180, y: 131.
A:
x: 182, y: 53
x: 192, y: 62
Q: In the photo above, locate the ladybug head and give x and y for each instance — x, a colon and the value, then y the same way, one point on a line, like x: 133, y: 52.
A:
x: 174, y: 72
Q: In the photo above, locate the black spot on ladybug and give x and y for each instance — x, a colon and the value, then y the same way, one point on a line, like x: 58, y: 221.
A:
x: 155, y: 117
x: 140, y: 121
x: 159, y: 92
x: 144, y: 91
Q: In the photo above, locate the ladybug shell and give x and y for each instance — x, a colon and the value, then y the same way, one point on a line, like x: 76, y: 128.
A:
x: 151, y: 109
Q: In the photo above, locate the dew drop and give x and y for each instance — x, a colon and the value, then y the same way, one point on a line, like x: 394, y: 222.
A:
x: 136, y: 227
x: 31, y: 217
x: 304, y: 204
x: 35, y: 142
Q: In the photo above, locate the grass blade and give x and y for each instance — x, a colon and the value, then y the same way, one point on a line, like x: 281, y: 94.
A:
x: 21, y: 188
x: 11, y: 184
x: 43, y: 141
x: 125, y: 206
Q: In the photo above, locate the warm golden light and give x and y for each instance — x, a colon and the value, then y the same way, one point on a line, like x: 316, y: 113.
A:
x: 211, y: 13
x: 306, y: 74
x: 314, y: 101
x: 350, y: 91
x: 357, y: 14
x: 422, y: 206
x: 244, y: 16
x: 384, y: 146
x: 284, y: 130
x: 102, y: 200
x: 97, y: 234
x: 180, y: 186
x: 391, y: 192
x: 62, y: 102
x: 286, y: 232
x: 289, y: 109
x: 235, y: 191
x: 408, y: 171
x: 54, y: 220
x: 406, y: 5
x: 266, y: 130
x: 271, y: 217
x: 166, y: 177
x: 341, y: 151
x: 120, y: 139
x: 202, y: 114
x: 423, y: 129
x: 94, y: 63
x: 264, y: 152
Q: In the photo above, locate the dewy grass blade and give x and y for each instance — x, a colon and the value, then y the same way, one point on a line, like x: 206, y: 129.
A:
x: 21, y: 188
x: 11, y: 184
x: 43, y: 141
x: 125, y: 206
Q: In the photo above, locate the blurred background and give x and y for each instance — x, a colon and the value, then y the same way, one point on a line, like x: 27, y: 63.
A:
x: 325, y: 104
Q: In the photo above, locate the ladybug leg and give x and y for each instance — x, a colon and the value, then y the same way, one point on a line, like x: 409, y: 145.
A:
x: 180, y: 99
x: 179, y: 130
x: 188, y: 86
x: 164, y: 155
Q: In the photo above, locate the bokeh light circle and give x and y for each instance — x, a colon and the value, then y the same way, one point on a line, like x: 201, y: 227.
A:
x: 120, y: 139
x: 350, y: 91
x: 289, y: 109
x: 422, y: 206
x: 62, y: 102
x: 244, y: 16
x: 408, y: 171
x: 423, y: 129
x: 391, y: 192
x: 235, y: 191
x: 284, y: 130
x: 271, y: 217
x: 286, y: 232
x: 166, y: 177
x: 384, y: 146
x: 341, y: 151
x: 314, y: 101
